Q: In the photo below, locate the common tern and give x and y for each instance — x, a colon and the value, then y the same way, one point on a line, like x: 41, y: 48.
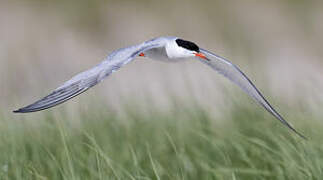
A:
x: 169, y: 49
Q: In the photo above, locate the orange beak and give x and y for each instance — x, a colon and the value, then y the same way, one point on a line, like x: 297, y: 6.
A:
x: 200, y: 55
x: 141, y: 54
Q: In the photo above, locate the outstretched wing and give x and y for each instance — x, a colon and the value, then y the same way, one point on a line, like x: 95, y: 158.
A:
x: 85, y: 80
x: 232, y: 72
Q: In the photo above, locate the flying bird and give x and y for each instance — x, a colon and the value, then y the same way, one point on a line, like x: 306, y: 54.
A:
x: 170, y: 49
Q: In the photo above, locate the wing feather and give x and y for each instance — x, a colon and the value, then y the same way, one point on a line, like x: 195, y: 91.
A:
x: 85, y: 80
x: 233, y: 73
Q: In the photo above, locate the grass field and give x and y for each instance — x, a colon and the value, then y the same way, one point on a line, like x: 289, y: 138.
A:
x: 185, y: 143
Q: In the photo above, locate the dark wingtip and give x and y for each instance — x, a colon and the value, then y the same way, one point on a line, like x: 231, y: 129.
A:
x: 302, y: 136
x: 18, y: 111
x: 305, y: 138
x: 22, y: 110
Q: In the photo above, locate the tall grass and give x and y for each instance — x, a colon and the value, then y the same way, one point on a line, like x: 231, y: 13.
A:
x: 185, y: 143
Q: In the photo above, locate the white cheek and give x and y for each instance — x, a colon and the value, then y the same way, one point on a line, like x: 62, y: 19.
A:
x: 174, y: 51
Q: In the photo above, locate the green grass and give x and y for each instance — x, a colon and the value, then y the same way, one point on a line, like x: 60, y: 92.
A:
x: 185, y: 143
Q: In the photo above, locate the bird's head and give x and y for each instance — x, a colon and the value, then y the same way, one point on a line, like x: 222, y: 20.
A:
x: 186, y: 48
x: 180, y: 49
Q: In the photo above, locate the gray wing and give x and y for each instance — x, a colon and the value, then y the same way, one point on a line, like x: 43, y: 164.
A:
x: 233, y: 73
x: 85, y: 80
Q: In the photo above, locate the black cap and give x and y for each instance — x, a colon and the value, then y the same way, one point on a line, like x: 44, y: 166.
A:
x: 187, y: 45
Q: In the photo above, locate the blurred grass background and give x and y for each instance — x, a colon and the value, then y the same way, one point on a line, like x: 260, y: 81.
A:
x: 153, y: 120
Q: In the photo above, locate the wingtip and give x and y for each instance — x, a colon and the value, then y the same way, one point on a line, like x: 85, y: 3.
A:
x: 21, y: 110
x: 17, y: 111
x: 298, y: 133
x: 302, y: 136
